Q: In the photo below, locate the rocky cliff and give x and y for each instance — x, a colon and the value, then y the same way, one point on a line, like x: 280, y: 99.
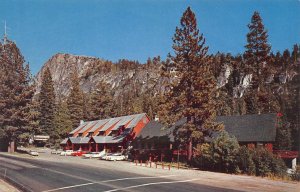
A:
x: 123, y: 76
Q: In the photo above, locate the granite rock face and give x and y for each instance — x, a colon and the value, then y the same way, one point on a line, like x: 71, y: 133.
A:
x: 92, y: 70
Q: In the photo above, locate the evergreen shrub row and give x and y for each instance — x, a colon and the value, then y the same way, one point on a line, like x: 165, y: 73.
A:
x: 224, y: 154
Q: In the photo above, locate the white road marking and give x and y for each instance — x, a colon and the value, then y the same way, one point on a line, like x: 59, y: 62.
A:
x: 105, y: 181
x: 147, y: 184
x: 68, y: 187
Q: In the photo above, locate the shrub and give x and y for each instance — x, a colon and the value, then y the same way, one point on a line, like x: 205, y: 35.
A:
x: 267, y: 164
x: 245, y: 161
x: 224, y: 150
x: 219, y: 155
x: 225, y: 155
x: 296, y: 175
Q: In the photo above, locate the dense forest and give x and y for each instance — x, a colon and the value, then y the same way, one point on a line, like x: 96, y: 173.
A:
x: 256, y: 81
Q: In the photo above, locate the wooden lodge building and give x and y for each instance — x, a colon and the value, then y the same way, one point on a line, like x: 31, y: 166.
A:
x: 151, y: 139
x: 110, y: 134
x: 257, y: 130
x: 250, y: 130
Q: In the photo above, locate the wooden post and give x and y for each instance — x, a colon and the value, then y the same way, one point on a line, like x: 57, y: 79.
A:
x: 162, y: 165
x: 169, y: 166
x: 190, y: 151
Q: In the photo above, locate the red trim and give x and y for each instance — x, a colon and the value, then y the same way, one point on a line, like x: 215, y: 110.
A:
x: 285, y: 154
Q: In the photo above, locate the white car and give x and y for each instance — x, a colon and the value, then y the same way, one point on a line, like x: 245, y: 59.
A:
x: 56, y: 152
x: 33, y: 153
x: 94, y: 154
x: 115, y: 157
x: 66, y: 152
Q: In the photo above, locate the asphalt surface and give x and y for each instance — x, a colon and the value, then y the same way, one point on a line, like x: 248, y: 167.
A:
x: 42, y: 176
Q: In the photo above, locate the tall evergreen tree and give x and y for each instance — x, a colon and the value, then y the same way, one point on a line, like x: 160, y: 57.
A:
x: 259, y: 98
x: 283, y: 134
x: 193, y: 85
x: 257, y: 53
x: 75, y: 101
x: 62, y: 122
x: 47, y: 104
x: 16, y: 91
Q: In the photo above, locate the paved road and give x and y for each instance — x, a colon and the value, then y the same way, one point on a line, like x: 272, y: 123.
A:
x: 37, y: 175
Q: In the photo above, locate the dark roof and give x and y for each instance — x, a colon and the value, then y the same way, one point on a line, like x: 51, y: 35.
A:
x: 152, y: 129
x: 245, y: 128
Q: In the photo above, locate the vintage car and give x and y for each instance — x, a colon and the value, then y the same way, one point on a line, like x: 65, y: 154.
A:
x: 115, y: 157
x: 33, y: 153
x: 56, y: 152
x: 94, y: 154
x: 66, y: 153
x: 79, y: 153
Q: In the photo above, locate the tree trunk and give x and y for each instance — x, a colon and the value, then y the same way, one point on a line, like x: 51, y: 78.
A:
x: 11, y: 147
x: 190, y: 151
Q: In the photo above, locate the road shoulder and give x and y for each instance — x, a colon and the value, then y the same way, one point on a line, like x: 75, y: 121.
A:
x: 6, y: 187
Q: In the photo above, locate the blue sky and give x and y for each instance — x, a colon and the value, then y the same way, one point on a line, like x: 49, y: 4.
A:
x: 138, y: 29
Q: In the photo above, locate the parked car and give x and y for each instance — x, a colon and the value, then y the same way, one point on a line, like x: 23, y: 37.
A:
x: 115, y: 157
x: 94, y: 154
x: 33, y: 153
x: 78, y: 153
x: 56, y: 152
x: 66, y: 152
x: 106, y: 155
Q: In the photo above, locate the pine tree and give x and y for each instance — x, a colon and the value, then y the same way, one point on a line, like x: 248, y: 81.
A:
x: 62, y: 122
x: 193, y: 85
x: 75, y: 101
x: 87, y: 105
x: 16, y: 91
x: 47, y: 104
x: 258, y: 63
x: 295, y: 53
x: 101, y: 102
x: 257, y: 53
x: 283, y: 134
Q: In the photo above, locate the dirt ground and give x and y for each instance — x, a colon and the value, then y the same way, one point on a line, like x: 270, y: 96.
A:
x: 5, y: 187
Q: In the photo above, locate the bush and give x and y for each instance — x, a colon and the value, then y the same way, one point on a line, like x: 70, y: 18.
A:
x: 296, y: 175
x: 224, y: 154
x: 260, y: 162
x: 245, y: 159
x: 224, y: 150
x: 219, y: 155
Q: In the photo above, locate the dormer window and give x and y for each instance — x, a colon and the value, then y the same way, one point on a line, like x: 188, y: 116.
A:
x: 101, y: 133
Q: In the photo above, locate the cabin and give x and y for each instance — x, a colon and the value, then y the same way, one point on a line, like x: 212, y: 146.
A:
x: 112, y: 134
x: 255, y: 130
